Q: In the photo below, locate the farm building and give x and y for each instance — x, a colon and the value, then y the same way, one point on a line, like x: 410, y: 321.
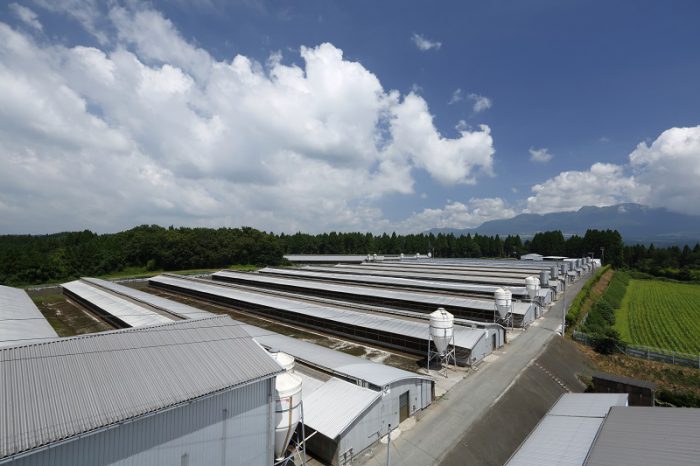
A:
x: 421, y: 302
x: 600, y: 429
x: 325, y: 258
x: 373, y: 396
x: 411, y: 335
x: 185, y: 393
x: 565, y: 434
x: 21, y: 321
x: 531, y: 257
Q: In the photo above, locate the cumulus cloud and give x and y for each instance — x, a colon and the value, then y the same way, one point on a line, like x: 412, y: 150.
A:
x: 26, y: 15
x: 661, y: 174
x: 458, y: 215
x: 603, y: 184
x: 424, y: 44
x: 153, y: 129
x: 670, y: 166
x: 86, y: 12
x: 540, y: 155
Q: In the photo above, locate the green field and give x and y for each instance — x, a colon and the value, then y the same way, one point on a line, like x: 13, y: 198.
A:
x: 662, y: 315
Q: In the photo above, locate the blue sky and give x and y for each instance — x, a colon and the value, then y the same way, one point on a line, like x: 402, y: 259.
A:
x: 536, y: 106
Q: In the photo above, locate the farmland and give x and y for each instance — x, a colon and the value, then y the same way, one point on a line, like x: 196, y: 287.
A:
x: 662, y: 315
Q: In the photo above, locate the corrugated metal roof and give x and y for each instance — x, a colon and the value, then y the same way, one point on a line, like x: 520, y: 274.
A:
x: 564, y: 436
x: 335, y: 405
x: 465, y: 274
x: 464, y: 337
x: 58, y: 389
x: 558, y: 441
x: 434, y: 299
x: 127, y: 311
x: 646, y: 436
x: 434, y: 285
x: 20, y: 320
x: 336, y: 361
x: 325, y: 258
x: 587, y: 404
x: 441, y: 275
x: 183, y: 310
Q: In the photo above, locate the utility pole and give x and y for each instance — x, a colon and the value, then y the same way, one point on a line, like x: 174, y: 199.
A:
x: 602, y: 255
x: 388, y: 447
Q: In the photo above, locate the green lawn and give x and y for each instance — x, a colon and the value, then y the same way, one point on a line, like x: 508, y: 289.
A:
x: 661, y: 314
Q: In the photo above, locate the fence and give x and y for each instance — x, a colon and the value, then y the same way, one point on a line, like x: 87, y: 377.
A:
x: 644, y: 352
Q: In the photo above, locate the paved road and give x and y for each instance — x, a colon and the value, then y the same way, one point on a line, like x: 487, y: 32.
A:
x: 440, y: 428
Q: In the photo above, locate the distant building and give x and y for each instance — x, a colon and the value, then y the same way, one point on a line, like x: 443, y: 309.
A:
x: 640, y: 392
x: 531, y: 257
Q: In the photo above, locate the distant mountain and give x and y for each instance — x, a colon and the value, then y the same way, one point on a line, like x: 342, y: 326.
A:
x: 636, y: 223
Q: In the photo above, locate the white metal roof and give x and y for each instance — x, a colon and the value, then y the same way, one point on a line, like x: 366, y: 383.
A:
x: 648, y: 436
x: 558, y: 441
x: 564, y: 436
x: 335, y: 405
x: 62, y: 388
x: 464, y: 337
x: 587, y: 404
x: 183, y: 310
x: 434, y: 285
x: 434, y: 299
x: 20, y: 320
x: 335, y: 361
x: 127, y: 311
x: 325, y: 258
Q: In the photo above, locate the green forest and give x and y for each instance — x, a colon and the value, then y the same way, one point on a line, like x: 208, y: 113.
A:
x: 37, y: 259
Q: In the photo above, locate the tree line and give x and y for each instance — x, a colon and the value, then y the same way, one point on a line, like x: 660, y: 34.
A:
x: 36, y: 259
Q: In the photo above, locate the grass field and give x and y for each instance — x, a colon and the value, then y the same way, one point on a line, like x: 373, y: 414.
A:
x: 661, y: 314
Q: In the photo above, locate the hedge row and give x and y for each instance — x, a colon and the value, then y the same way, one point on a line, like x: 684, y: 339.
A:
x: 573, y: 314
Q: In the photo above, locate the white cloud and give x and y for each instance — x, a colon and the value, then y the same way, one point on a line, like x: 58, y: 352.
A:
x: 27, y: 15
x: 481, y: 102
x: 85, y: 12
x: 457, y: 96
x: 540, y: 155
x: 424, y: 44
x: 603, y: 184
x: 664, y: 173
x: 458, y: 215
x: 670, y: 166
x: 155, y: 130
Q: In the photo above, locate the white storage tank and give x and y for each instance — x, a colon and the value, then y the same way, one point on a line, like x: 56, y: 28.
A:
x: 544, y: 277
x: 503, y: 298
x: 284, y: 360
x: 532, y: 284
x: 287, y: 404
x: 441, y: 329
x: 553, y: 272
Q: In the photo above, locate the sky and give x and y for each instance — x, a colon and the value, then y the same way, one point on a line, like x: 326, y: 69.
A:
x: 321, y: 116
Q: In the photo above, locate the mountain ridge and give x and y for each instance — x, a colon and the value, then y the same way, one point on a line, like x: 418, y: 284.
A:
x: 635, y: 222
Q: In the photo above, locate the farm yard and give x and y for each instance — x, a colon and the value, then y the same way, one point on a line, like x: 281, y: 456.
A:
x: 661, y: 315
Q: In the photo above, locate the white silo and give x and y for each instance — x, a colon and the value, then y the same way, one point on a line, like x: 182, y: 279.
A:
x: 284, y: 360
x: 504, y: 299
x: 532, y: 284
x: 544, y: 277
x: 563, y: 268
x: 287, y: 404
x: 441, y: 329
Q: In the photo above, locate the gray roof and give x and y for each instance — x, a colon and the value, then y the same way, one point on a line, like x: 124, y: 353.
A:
x: 624, y: 380
x: 434, y: 285
x: 20, y: 320
x: 564, y: 436
x: 646, y: 436
x: 331, y: 360
x: 325, y: 258
x: 465, y: 273
x: 434, y: 299
x: 334, y: 406
x: 587, y: 404
x: 127, y: 311
x: 62, y: 388
x: 464, y: 337
x: 468, y: 264
x: 174, y: 307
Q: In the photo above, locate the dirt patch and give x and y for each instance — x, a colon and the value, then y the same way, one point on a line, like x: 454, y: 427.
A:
x: 67, y: 318
x: 665, y: 376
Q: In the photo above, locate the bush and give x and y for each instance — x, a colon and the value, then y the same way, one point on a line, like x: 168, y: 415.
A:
x: 607, y: 342
x: 679, y: 399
